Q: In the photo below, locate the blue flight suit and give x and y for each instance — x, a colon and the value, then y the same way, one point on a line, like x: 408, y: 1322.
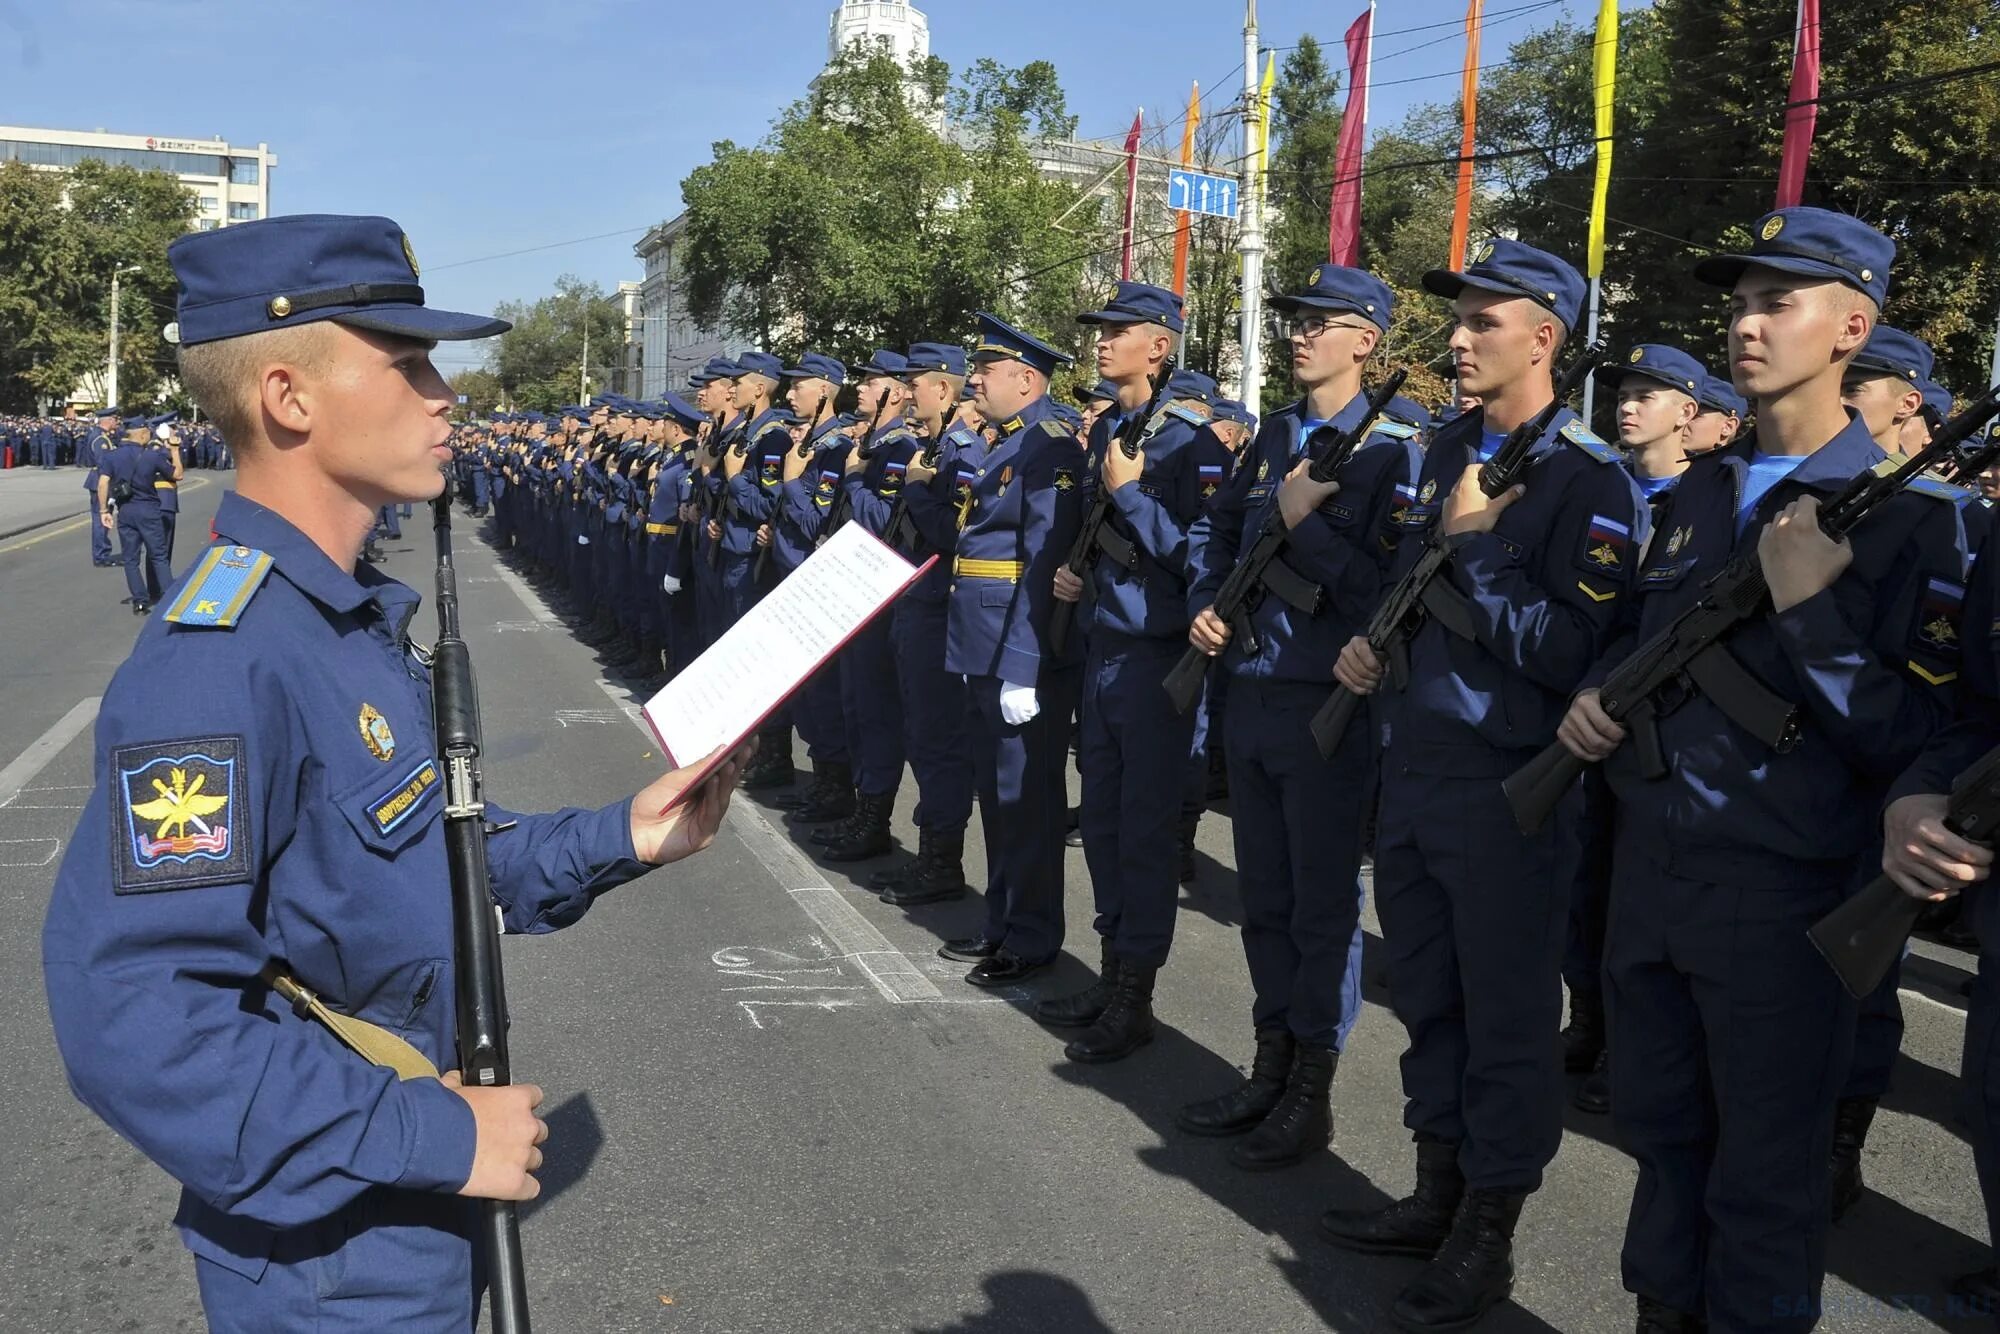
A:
x: 803, y: 506
x: 142, y: 538
x: 95, y: 446
x: 934, y: 697
x: 1015, y: 527
x: 254, y: 821
x: 1136, y: 625
x: 1729, y: 1035
x: 870, y: 698
x: 1473, y: 912
x: 1297, y: 818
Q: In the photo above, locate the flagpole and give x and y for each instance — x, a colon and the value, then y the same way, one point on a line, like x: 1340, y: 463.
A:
x: 1131, y: 192
x: 1604, y: 79
x: 1250, y: 244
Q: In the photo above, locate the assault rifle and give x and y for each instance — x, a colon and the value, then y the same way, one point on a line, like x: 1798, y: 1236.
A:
x: 902, y: 531
x: 1690, y: 654
x: 842, y: 507
x: 1418, y: 596
x: 1095, y: 535
x: 1259, y: 569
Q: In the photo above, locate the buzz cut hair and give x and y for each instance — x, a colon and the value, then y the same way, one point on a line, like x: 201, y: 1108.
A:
x: 223, y: 376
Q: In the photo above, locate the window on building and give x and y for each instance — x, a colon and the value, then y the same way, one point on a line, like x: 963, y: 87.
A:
x: 206, y: 224
x: 209, y: 203
x: 243, y: 170
x: 68, y: 155
x: 242, y: 212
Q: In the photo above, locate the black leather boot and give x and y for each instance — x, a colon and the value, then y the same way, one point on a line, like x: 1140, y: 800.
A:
x: 805, y: 796
x: 1245, y: 1106
x: 940, y: 874
x: 1302, y: 1122
x: 1660, y: 1318
x: 895, y: 877
x: 1127, y: 1022
x: 1851, y: 1119
x: 773, y: 765
x: 1593, y: 1095
x: 1418, y: 1223
x: 1472, y: 1272
x: 1583, y: 1038
x: 828, y: 835
x: 1080, y: 1009
x: 871, y: 830
x: 835, y: 800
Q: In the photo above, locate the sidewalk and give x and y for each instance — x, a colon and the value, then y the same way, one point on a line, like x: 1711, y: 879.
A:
x: 32, y: 497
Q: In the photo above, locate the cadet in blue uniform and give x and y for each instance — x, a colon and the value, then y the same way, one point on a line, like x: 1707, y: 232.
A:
x: 286, y: 818
x: 666, y: 539
x: 129, y: 500
x: 99, y: 441
x: 1721, y: 415
x: 1297, y: 817
x: 752, y: 472
x: 1134, y: 617
x: 1729, y: 1035
x: 167, y: 439
x: 1016, y: 524
x: 1473, y: 912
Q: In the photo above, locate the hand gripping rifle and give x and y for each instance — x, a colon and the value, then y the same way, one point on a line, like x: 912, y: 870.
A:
x: 1418, y: 596
x: 1864, y: 936
x: 481, y: 993
x: 842, y: 507
x: 1095, y: 534
x: 715, y: 489
x: 1237, y: 599
x: 1690, y: 655
x: 902, y: 531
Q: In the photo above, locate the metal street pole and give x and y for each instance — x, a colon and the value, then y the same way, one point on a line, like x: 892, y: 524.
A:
x: 1250, y: 244
x: 583, y: 371
x: 111, y: 363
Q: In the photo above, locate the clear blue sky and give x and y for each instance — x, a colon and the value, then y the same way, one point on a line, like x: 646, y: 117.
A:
x: 488, y: 128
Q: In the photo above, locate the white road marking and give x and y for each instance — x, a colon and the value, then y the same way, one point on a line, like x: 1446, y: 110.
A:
x: 9, y: 857
x: 750, y: 1008
x: 520, y: 627
x: 536, y: 607
x: 21, y: 770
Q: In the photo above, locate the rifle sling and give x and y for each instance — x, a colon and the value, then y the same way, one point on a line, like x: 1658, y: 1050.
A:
x: 1449, y: 607
x: 373, y: 1043
x: 1291, y: 587
x: 1743, y: 699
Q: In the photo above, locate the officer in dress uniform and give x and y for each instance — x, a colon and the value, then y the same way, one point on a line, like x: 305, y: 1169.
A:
x: 99, y: 441
x: 286, y: 819
x: 1015, y: 526
x: 129, y: 501
x: 1474, y: 913
x: 1297, y: 817
x: 1729, y: 1035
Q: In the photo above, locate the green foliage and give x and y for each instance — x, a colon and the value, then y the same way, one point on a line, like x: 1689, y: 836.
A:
x: 482, y: 390
x: 537, y: 362
x: 61, y: 236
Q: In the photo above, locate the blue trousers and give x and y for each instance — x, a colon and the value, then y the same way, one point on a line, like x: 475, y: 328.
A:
x: 100, y: 536
x: 1297, y: 825
x: 871, y: 703
x: 821, y: 716
x: 1590, y: 891
x: 1878, y: 1037
x: 933, y: 717
x: 389, y: 522
x: 1980, y: 1067
x: 169, y: 521
x: 1018, y: 774
x: 1473, y: 916
x: 142, y: 541
x: 1729, y: 1038
x: 1131, y: 739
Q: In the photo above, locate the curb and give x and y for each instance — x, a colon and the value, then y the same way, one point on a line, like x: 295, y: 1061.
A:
x: 6, y: 533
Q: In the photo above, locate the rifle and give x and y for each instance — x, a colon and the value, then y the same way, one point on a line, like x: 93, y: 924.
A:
x: 1863, y: 937
x: 1417, y: 597
x: 839, y: 511
x: 481, y: 992
x: 714, y: 496
x: 1094, y: 535
x: 1967, y: 466
x: 1690, y: 654
x: 1236, y: 601
x: 902, y: 530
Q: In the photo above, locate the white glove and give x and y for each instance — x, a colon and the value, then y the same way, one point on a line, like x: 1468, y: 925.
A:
x: 1018, y: 704
x: 670, y: 585
x: 582, y: 541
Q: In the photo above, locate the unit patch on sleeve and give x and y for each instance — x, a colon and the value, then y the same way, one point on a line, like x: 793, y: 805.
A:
x: 1938, y: 615
x: 1605, y: 543
x: 1210, y: 478
x: 411, y: 794
x: 179, y: 815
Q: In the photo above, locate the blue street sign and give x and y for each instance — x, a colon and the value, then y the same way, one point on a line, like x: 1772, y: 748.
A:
x: 1197, y: 192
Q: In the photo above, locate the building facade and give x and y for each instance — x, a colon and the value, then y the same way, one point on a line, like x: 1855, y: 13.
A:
x: 671, y: 345
x: 229, y: 183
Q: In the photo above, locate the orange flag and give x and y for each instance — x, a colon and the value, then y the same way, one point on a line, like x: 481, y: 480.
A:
x: 1461, y: 214
x: 1181, y: 228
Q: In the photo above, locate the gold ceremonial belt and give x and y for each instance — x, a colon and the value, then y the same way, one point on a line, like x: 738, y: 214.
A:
x: 1010, y: 570
x: 663, y: 529
x: 375, y: 1044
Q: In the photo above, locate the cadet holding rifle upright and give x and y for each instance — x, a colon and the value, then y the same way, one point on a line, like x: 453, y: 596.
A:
x: 282, y: 829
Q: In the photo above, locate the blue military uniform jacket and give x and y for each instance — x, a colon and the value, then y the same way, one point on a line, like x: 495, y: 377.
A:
x: 289, y: 811
x: 872, y: 492
x: 806, y: 500
x: 1869, y: 662
x: 1542, y: 591
x: 1016, y: 525
x: 95, y: 446
x: 139, y: 467
x: 753, y: 492
x: 1346, y: 546
x: 933, y: 507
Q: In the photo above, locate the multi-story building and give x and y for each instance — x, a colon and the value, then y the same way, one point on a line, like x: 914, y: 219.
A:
x: 229, y: 183
x: 672, y: 346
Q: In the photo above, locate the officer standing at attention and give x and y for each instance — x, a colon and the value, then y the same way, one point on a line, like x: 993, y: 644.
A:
x: 98, y: 442
x: 1729, y: 1034
x: 166, y: 437
x: 287, y: 818
x: 1016, y: 523
x: 129, y: 501
x: 1297, y: 817
x: 1473, y: 911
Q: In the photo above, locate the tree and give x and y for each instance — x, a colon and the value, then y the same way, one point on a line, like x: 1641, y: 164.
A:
x: 481, y: 389
x: 61, y: 236
x: 538, y: 361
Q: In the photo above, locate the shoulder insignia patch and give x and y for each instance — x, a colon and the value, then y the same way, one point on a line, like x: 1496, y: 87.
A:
x: 179, y: 816
x: 1395, y: 430
x: 1209, y: 478
x: 220, y: 587
x: 1190, y: 411
x: 411, y: 793
x: 1937, y: 489
x: 1589, y: 442
x: 1065, y: 479
x: 1605, y: 543
x: 1054, y: 428
x: 1938, y: 614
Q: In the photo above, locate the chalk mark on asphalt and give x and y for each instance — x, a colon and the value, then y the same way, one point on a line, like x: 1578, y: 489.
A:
x: 21, y: 770
x: 10, y: 859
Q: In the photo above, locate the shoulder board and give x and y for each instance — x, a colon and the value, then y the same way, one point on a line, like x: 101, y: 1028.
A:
x: 1192, y: 411
x: 1590, y: 442
x: 1395, y: 430
x: 962, y: 435
x: 1053, y: 427
x: 897, y: 433
x: 1938, y: 489
x: 220, y: 587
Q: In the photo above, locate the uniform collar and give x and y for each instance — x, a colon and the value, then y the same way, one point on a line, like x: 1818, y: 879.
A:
x: 1830, y: 467
x: 1036, y: 411
x: 823, y: 430
x: 1472, y: 426
x: 305, y: 566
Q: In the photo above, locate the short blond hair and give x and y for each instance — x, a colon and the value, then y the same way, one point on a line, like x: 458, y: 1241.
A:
x: 222, y: 376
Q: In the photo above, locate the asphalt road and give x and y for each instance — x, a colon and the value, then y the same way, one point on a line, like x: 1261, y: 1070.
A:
x: 774, y: 1109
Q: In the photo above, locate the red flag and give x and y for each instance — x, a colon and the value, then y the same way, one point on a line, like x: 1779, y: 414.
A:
x: 1803, y: 113
x: 1343, y: 230
x: 1131, y: 190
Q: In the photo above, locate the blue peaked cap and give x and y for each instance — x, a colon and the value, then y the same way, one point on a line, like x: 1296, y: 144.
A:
x: 1657, y: 361
x: 1141, y: 303
x: 678, y: 409
x: 1103, y: 391
x: 1336, y: 287
x: 1813, y: 243
x: 1510, y: 268
x: 818, y: 366
x: 1001, y: 340
x: 1191, y: 384
x: 924, y: 358
x: 760, y: 363
x: 885, y: 361
x: 1892, y: 352
x: 1718, y: 395
x: 278, y: 273
x: 1937, y: 398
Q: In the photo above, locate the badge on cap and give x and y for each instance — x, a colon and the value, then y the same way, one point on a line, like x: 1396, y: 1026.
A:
x: 1485, y: 253
x: 375, y: 733
x: 1772, y: 226
x: 411, y: 255
x: 1638, y: 355
x: 1314, y: 280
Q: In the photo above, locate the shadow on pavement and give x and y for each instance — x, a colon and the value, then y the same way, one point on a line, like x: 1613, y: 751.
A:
x: 575, y: 1138
x: 1023, y: 1300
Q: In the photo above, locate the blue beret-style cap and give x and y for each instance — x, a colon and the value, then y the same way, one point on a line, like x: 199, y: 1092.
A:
x: 1511, y: 268
x: 999, y: 340
x: 280, y: 272
x: 924, y: 358
x: 1067, y: 415
x: 1336, y: 287
x: 1140, y: 303
x: 885, y: 361
x: 1718, y: 395
x: 1409, y: 412
x: 1814, y: 243
x: 818, y: 366
x: 1937, y: 399
x: 1890, y: 351
x: 1657, y: 361
x: 678, y: 409
x: 760, y: 363
x: 1185, y: 383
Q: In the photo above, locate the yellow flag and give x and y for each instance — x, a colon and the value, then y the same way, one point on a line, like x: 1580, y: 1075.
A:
x: 1264, y: 112
x: 1606, y: 66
